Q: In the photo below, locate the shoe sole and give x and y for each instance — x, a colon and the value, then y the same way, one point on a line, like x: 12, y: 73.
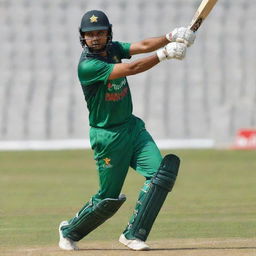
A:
x: 124, y: 241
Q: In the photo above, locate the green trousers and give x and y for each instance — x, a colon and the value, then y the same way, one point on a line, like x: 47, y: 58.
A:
x: 117, y: 149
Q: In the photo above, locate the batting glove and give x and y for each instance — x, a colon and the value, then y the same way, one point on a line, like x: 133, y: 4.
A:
x: 172, y: 51
x: 182, y: 35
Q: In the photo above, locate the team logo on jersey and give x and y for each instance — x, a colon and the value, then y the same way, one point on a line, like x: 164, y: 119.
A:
x: 94, y: 19
x: 116, y: 86
x: 116, y: 90
x: 116, y: 96
x: 107, y: 163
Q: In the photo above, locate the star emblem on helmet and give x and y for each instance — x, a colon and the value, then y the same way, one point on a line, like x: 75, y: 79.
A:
x: 94, y: 19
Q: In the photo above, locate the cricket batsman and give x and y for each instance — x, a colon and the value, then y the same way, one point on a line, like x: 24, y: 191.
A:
x: 118, y: 138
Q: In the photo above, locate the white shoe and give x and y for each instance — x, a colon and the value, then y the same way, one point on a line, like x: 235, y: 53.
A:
x: 66, y: 243
x: 135, y: 244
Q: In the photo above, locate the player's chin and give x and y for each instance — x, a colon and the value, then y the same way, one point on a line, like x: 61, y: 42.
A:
x: 98, y: 47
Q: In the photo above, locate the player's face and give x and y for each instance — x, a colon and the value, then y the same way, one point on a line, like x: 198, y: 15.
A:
x: 97, y: 39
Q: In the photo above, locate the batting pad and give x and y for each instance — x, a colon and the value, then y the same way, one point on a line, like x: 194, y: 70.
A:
x: 152, y: 198
x: 91, y: 216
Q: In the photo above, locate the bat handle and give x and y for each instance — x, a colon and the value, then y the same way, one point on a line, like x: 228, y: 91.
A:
x: 179, y: 40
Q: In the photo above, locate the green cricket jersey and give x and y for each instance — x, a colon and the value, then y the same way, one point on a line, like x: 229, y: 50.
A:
x: 109, y: 102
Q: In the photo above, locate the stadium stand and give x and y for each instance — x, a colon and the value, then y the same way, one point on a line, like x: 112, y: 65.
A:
x: 211, y: 94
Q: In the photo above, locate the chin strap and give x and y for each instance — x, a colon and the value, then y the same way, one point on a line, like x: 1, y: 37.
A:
x: 92, y: 53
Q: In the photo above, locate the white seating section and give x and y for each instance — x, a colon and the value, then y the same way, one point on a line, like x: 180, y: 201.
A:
x: 210, y: 94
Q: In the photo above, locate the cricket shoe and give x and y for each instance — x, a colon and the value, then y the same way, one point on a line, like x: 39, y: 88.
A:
x: 134, y: 244
x: 66, y: 243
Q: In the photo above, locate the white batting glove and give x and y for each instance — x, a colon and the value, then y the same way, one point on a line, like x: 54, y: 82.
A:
x: 172, y: 51
x: 182, y: 35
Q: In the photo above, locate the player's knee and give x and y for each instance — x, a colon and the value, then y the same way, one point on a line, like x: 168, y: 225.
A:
x: 113, y: 193
x: 167, y: 172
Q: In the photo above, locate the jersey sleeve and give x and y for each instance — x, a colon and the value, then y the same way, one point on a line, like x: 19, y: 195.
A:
x: 94, y: 71
x: 124, y: 50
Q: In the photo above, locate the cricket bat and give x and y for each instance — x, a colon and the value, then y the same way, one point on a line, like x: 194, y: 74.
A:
x: 202, y: 12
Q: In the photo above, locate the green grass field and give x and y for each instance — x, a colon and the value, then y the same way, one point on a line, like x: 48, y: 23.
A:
x: 214, y: 198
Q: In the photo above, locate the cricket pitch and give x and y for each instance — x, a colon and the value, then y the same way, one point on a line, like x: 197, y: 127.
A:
x: 172, y: 247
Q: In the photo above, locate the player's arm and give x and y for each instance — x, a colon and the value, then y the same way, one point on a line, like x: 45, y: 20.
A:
x: 181, y: 34
x: 135, y: 67
x: 170, y: 51
x: 148, y: 45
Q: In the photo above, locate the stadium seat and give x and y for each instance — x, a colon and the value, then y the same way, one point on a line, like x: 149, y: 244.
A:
x: 210, y: 94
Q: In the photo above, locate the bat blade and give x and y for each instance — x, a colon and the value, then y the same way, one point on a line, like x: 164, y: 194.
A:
x: 202, y: 12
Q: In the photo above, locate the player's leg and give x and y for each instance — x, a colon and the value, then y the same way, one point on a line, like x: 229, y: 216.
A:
x: 113, y: 163
x: 151, y: 199
x: 160, y: 176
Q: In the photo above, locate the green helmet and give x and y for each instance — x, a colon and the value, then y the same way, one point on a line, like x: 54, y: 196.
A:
x: 94, y: 20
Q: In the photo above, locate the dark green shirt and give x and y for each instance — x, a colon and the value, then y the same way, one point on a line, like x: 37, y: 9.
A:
x: 109, y: 102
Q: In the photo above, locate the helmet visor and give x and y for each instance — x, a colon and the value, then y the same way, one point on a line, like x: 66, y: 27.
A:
x: 93, y: 28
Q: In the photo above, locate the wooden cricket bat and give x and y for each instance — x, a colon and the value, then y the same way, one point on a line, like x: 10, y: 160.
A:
x: 202, y: 12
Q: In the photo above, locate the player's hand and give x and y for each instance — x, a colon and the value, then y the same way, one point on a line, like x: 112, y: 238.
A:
x: 172, y: 51
x: 182, y: 35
